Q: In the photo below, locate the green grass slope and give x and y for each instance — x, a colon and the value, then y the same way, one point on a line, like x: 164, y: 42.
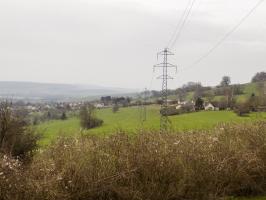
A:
x: 248, y: 89
x: 128, y: 119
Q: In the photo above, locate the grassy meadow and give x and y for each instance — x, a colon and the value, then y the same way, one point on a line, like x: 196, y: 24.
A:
x: 129, y: 120
x: 248, y: 90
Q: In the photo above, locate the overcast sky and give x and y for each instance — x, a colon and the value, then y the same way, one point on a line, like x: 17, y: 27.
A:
x: 114, y: 42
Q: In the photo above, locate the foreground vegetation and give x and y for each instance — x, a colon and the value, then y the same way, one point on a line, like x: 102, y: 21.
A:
x: 17, y: 138
x: 228, y: 161
x: 129, y: 120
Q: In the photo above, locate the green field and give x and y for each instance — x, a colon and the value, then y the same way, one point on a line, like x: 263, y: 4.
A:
x: 128, y: 119
x: 248, y: 89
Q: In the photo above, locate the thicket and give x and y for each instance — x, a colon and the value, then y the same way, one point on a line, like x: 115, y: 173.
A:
x: 36, y: 118
x: 115, y: 108
x: 242, y: 109
x: 88, y: 117
x: 171, y: 110
x: 259, y: 77
x: 227, y: 161
x: 17, y: 138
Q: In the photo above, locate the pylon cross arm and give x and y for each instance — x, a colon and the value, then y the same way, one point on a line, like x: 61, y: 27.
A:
x: 165, y: 77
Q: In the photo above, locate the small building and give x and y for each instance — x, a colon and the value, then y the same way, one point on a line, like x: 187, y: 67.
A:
x: 99, y: 105
x: 31, y: 108
x: 47, y: 107
x: 178, y: 106
x: 210, y: 106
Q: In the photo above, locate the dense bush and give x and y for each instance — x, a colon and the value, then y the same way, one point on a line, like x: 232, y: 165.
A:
x: 222, y: 104
x: 242, y: 109
x: 115, y: 108
x: 52, y: 114
x: 170, y: 111
x: 259, y: 77
x: 88, y: 117
x: 16, y: 137
x: 63, y: 116
x: 11, y: 178
x: 227, y: 161
x: 199, y: 104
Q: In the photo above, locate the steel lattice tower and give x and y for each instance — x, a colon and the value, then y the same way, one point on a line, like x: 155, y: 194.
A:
x: 164, y: 93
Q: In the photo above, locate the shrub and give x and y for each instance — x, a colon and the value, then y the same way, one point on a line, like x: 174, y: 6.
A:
x: 115, y: 108
x: 170, y: 111
x: 16, y: 138
x: 242, y: 109
x: 222, y: 104
x: 11, y: 179
x: 88, y: 117
x: 253, y: 102
x: 259, y: 77
x: 227, y: 161
x: 63, y: 116
x: 199, y: 104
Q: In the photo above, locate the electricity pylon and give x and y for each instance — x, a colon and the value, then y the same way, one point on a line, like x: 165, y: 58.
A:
x: 164, y: 93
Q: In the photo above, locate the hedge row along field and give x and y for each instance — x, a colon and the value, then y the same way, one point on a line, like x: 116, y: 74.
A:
x: 228, y: 161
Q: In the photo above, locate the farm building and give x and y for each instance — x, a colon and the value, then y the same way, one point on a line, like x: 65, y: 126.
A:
x: 210, y: 106
x: 99, y: 105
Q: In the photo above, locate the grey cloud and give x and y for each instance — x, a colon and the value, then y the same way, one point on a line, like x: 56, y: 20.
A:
x: 114, y: 42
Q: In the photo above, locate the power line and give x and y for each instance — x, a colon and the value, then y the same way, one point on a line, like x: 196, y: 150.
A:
x: 151, y: 82
x: 179, y: 24
x: 183, y: 24
x: 228, y: 34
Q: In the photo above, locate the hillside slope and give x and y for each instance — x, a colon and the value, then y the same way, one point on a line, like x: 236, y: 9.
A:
x: 248, y: 89
x: 29, y: 90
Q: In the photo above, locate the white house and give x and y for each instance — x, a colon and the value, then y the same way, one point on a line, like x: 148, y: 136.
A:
x: 31, y: 108
x: 99, y: 105
x: 209, y: 106
x: 178, y: 106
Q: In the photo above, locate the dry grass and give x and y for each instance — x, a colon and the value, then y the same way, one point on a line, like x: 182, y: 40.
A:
x: 227, y: 161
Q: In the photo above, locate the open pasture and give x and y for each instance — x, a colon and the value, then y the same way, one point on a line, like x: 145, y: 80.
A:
x: 129, y: 120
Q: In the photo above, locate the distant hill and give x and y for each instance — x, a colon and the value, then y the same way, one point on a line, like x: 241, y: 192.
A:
x: 47, y: 91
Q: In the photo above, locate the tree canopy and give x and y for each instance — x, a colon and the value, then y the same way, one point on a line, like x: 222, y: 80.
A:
x: 226, y: 81
x: 259, y: 77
